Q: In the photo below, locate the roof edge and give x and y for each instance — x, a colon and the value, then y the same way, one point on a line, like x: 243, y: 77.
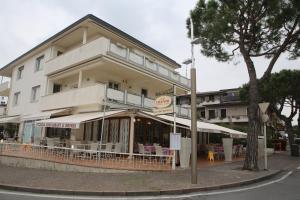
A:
x: 102, y: 23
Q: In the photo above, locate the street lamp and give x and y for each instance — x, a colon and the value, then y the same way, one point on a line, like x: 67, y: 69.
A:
x: 186, y: 62
x: 193, y: 109
x: 264, y: 117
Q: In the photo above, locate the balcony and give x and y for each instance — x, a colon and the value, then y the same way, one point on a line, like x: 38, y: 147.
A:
x: 75, y: 97
x: 82, y: 54
x: 4, y: 89
x: 103, y: 47
x: 229, y: 119
x: 205, y: 103
x: 142, y: 62
x: 126, y: 98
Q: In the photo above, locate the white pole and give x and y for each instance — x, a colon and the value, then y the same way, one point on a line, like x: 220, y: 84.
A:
x: 103, y: 118
x: 265, y: 137
x: 174, y: 125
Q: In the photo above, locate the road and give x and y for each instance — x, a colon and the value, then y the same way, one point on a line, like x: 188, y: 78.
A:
x: 285, y: 187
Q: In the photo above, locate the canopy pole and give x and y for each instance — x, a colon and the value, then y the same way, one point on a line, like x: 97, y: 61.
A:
x: 174, y: 125
x: 103, y: 118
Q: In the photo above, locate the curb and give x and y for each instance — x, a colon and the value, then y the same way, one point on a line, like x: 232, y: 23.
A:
x: 138, y: 193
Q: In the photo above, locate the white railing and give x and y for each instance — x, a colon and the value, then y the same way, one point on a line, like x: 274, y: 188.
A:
x: 78, y: 55
x: 4, y: 88
x: 128, y: 98
x: 142, y: 61
x: 88, y: 158
x: 74, y: 97
x: 134, y: 99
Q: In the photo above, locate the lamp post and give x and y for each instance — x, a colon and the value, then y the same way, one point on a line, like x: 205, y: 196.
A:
x: 193, y: 111
x: 263, y: 109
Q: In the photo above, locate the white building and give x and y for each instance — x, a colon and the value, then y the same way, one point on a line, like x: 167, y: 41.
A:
x: 75, y: 71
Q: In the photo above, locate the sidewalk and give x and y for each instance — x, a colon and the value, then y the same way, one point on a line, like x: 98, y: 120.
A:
x: 139, y: 183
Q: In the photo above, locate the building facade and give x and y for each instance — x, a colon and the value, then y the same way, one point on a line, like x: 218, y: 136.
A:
x: 220, y: 107
x: 88, y: 67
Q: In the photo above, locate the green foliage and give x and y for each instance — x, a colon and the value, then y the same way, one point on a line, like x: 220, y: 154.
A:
x: 259, y: 26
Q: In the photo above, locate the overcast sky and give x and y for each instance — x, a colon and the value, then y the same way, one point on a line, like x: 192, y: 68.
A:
x: 160, y: 24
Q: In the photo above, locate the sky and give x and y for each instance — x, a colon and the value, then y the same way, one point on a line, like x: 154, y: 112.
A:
x: 159, y: 24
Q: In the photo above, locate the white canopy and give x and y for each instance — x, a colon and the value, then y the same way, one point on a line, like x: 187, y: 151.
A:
x: 73, y: 121
x: 44, y: 115
x: 205, y: 127
x: 12, y: 119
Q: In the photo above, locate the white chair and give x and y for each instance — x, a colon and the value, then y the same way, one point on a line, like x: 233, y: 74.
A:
x: 108, y: 147
x: 159, y: 150
x: 117, y: 148
x: 141, y: 149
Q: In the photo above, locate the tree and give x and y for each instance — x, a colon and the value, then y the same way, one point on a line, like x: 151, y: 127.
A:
x: 254, y: 28
x: 281, y: 90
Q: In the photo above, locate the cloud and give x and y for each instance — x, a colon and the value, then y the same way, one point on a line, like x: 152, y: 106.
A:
x: 160, y: 24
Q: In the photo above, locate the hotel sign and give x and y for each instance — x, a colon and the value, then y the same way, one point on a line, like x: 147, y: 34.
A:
x: 57, y: 125
x: 163, y: 105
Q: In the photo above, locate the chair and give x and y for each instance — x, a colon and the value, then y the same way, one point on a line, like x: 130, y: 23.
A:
x: 117, y: 148
x: 93, y: 149
x: 159, y: 150
x: 210, y: 156
x: 141, y: 149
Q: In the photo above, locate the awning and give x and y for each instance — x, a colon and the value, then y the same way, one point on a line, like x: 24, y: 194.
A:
x: 45, y: 115
x: 205, y: 127
x: 73, y: 121
x: 12, y: 119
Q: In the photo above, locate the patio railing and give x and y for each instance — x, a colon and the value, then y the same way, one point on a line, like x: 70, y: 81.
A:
x: 88, y: 158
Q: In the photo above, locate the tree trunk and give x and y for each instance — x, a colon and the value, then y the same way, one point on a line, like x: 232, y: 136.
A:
x: 251, y: 160
x: 289, y: 130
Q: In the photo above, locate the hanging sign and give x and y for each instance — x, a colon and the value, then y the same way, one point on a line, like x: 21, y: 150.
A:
x: 163, y: 105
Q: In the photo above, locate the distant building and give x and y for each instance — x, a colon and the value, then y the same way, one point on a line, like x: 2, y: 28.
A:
x: 220, y: 107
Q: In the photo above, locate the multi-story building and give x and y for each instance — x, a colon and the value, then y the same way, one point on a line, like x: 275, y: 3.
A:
x: 220, y: 107
x: 87, y: 65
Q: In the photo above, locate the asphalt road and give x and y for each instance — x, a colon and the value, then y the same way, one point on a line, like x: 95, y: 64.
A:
x: 286, y: 187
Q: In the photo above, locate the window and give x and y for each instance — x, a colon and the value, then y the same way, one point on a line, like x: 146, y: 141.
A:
x: 114, y: 85
x: 38, y: 63
x: 35, y: 93
x: 20, y: 71
x: 211, y: 98
x: 144, y: 92
x: 59, y: 53
x: 211, y: 114
x: 16, y: 98
x: 202, y: 114
x: 223, y: 113
x: 56, y: 88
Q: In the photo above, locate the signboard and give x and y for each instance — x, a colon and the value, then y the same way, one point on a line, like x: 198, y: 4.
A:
x: 163, y: 105
x: 175, y: 141
x: 57, y: 125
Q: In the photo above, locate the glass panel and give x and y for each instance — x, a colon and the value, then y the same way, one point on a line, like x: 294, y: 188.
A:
x: 136, y: 58
x: 151, y: 65
x: 121, y: 51
x: 124, y: 134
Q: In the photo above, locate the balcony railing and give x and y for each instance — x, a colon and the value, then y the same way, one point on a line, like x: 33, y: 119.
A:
x: 126, y: 98
x: 78, y: 55
x: 145, y: 63
x: 236, y: 118
x: 75, y: 97
x: 4, y: 88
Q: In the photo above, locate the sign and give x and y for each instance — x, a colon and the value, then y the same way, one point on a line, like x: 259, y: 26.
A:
x: 57, y: 125
x: 163, y: 105
x: 175, y: 141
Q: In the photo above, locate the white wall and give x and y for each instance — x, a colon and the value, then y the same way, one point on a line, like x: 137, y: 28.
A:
x: 29, y: 79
